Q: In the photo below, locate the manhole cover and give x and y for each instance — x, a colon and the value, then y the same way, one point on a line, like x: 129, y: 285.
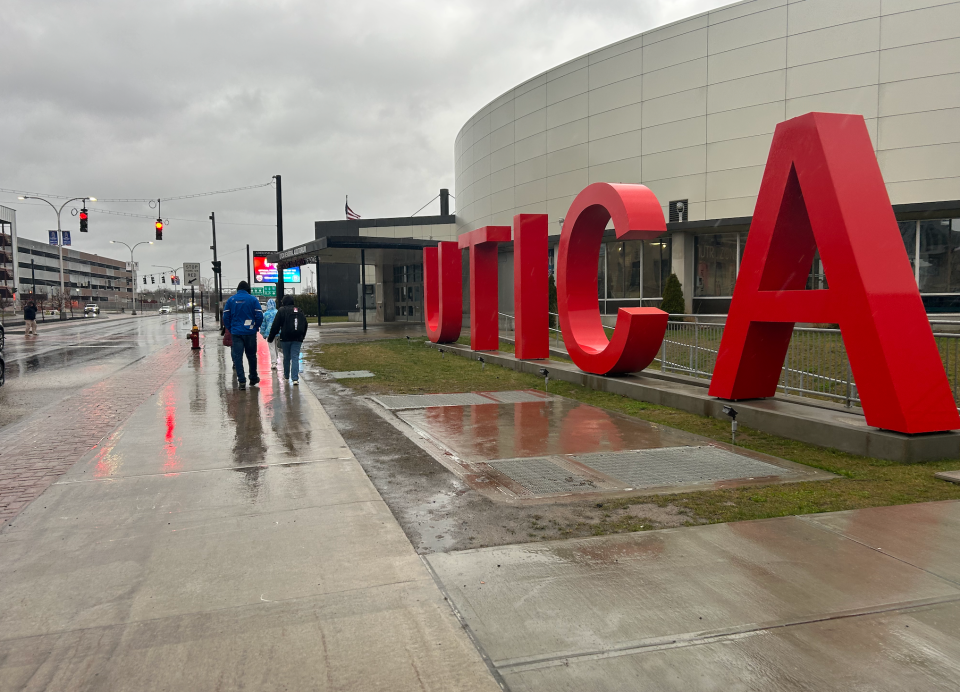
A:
x: 545, y: 476
x: 648, y: 468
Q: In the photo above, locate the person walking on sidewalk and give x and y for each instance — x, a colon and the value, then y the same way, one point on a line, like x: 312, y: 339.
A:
x: 30, y: 320
x: 268, y: 316
x: 291, y: 324
x: 242, y: 315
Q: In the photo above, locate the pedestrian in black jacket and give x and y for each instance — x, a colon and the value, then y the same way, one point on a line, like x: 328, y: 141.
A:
x: 291, y: 324
x: 30, y: 320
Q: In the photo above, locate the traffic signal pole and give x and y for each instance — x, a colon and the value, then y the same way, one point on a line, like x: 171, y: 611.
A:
x: 217, y: 283
x: 279, y: 240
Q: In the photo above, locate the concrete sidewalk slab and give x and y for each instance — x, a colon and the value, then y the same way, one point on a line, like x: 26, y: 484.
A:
x: 909, y: 649
x: 924, y: 535
x: 221, y: 539
x: 751, y: 605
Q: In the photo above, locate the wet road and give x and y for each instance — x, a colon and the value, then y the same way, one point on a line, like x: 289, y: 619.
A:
x: 67, y: 357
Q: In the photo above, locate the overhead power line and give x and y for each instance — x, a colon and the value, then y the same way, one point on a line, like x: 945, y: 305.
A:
x: 162, y: 199
x: 196, y: 194
x: 113, y: 212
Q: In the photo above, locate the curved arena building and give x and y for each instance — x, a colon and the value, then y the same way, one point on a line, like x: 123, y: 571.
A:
x: 689, y: 110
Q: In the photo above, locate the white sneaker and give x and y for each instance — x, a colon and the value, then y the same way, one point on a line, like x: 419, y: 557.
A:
x: 296, y: 383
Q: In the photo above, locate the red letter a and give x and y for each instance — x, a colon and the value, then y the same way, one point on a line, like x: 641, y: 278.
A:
x: 442, y: 292
x: 822, y: 188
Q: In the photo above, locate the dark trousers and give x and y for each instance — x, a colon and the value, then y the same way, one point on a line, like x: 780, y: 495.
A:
x: 245, y: 343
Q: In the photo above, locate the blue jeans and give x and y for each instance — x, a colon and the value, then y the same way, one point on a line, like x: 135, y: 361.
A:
x: 291, y: 359
x: 245, y: 343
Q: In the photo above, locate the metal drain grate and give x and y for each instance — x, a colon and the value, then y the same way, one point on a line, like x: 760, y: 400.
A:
x: 542, y: 476
x: 650, y: 468
x: 517, y: 397
x: 427, y: 400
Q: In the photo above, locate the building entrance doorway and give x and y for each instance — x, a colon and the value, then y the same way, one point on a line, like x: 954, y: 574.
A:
x: 408, y: 292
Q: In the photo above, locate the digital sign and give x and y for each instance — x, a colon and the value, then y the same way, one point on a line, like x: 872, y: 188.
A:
x: 266, y: 272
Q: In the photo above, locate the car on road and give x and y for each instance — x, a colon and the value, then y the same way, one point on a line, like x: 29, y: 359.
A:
x: 165, y: 310
x: 91, y: 309
x: 197, y: 310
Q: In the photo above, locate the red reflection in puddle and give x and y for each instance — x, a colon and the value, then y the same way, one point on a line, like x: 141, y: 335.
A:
x: 173, y: 462
x: 484, y: 432
x: 588, y: 429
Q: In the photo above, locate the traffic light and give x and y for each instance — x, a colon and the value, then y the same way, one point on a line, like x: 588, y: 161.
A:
x: 216, y: 266
x: 163, y: 278
x: 159, y: 225
x: 144, y: 280
x: 173, y: 279
x: 83, y: 220
x: 153, y: 279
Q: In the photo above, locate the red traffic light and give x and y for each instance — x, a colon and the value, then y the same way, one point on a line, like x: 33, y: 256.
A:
x: 159, y: 225
x: 83, y: 216
x: 83, y: 220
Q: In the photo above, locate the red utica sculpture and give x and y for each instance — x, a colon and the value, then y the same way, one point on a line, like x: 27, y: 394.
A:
x: 443, y: 292
x: 822, y: 188
x: 636, y: 214
x: 482, y: 245
x: 531, y: 298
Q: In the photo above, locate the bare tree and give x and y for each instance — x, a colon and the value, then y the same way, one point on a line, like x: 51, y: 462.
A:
x: 58, y: 300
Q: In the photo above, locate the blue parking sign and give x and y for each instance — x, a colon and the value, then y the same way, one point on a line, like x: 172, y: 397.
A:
x: 66, y: 237
x: 53, y: 238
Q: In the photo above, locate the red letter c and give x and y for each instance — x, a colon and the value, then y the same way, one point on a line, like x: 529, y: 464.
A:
x: 636, y: 214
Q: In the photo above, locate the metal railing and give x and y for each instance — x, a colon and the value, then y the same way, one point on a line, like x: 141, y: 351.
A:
x: 816, y: 363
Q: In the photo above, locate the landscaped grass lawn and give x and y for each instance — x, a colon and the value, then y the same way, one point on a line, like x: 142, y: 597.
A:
x: 408, y: 367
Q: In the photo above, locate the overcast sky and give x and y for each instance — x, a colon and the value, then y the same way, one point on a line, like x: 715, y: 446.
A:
x: 119, y: 99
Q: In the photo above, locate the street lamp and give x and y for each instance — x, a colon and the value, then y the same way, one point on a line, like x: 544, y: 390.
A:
x: 59, y: 233
x: 133, y: 266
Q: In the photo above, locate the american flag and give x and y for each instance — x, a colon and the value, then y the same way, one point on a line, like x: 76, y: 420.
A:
x: 351, y: 214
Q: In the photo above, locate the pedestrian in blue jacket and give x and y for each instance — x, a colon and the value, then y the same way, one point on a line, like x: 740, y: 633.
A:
x: 242, y: 316
x: 273, y: 348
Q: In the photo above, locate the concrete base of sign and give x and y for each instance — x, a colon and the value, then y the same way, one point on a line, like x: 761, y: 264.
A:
x: 810, y: 421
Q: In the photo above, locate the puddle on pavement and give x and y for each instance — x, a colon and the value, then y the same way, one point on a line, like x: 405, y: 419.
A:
x: 521, y: 447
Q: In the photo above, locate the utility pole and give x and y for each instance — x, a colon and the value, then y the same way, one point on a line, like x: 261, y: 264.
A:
x: 217, y: 285
x: 33, y: 273
x: 279, y: 239
x: 319, y: 316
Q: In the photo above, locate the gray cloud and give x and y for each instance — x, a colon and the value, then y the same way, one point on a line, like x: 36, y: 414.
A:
x: 124, y: 99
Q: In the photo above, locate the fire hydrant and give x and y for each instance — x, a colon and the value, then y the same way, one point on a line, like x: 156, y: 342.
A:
x: 194, y: 336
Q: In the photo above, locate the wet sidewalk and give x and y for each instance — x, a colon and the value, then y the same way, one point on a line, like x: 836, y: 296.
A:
x: 220, y: 539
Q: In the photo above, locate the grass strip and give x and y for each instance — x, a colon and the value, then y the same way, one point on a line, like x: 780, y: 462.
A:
x: 408, y: 367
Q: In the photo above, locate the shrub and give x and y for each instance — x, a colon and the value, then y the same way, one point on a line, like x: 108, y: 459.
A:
x: 307, y: 302
x: 673, y: 302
